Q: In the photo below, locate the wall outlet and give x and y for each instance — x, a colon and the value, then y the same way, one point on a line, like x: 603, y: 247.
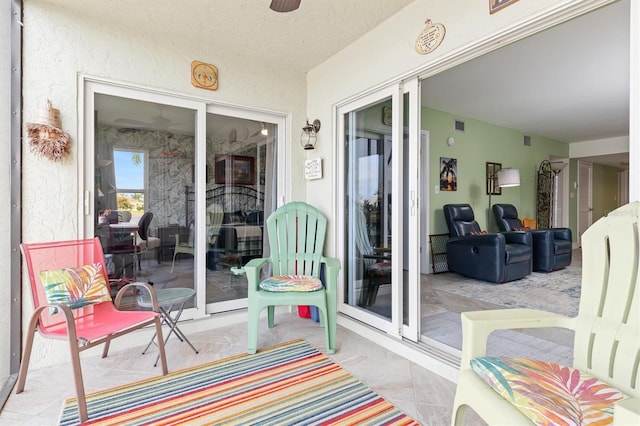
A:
x: 437, y: 189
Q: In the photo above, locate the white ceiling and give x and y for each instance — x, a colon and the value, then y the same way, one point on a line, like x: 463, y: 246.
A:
x: 569, y: 83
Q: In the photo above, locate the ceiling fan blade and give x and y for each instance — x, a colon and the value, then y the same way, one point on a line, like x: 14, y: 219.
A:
x: 130, y: 122
x: 284, y: 5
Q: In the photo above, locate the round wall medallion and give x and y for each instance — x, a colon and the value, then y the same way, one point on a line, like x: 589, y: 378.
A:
x: 204, y: 76
x: 430, y: 38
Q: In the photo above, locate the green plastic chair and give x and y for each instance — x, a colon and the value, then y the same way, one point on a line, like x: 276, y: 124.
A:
x: 296, y: 234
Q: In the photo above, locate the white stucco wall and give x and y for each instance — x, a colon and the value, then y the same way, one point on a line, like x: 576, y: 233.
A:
x: 60, y: 42
x: 5, y: 151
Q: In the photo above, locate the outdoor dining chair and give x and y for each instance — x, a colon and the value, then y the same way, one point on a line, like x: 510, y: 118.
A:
x: 72, y: 301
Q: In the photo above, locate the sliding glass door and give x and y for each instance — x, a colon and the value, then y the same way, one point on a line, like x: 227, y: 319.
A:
x: 380, y: 173
x: 177, y: 190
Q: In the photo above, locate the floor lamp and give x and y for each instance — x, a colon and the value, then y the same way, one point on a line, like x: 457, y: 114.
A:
x: 556, y: 168
x: 504, y: 178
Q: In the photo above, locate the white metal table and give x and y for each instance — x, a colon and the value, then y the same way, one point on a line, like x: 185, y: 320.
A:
x: 170, y: 300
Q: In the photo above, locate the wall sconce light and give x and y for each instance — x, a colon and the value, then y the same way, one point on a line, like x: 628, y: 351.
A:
x: 309, y: 134
x: 263, y: 129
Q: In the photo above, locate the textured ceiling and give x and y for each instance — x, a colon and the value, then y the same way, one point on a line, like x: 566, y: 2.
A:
x: 300, y: 39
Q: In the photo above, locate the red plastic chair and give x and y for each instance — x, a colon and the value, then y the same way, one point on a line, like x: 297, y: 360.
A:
x: 86, y: 326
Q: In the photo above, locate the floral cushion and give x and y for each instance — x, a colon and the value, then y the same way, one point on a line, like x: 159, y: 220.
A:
x: 280, y: 283
x: 76, y: 287
x: 549, y: 393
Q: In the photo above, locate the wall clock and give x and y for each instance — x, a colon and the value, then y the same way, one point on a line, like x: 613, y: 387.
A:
x: 204, y: 76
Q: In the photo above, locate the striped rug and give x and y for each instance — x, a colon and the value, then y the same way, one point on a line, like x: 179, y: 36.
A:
x: 286, y: 384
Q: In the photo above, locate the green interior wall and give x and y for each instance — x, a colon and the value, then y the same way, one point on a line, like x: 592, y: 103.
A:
x: 605, y: 192
x: 481, y: 143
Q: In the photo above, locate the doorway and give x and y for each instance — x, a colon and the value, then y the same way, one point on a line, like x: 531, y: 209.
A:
x: 585, y: 202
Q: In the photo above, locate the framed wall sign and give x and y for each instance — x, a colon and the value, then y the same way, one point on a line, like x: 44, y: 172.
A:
x: 313, y: 168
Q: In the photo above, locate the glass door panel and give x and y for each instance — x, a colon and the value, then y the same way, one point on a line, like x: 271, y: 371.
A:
x: 142, y: 150
x: 380, y: 175
x: 367, y: 222
x: 240, y: 194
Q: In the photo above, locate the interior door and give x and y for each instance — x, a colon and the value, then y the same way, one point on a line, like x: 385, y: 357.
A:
x: 585, y: 207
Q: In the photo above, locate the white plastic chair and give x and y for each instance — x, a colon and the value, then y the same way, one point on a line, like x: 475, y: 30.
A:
x: 607, y: 327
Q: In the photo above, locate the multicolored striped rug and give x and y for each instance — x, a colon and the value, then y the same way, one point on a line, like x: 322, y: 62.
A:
x: 287, y: 384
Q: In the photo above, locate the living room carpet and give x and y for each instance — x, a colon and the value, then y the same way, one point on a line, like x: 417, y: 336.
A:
x: 285, y: 384
x: 557, y: 291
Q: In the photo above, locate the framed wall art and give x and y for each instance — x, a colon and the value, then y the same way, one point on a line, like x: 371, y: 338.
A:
x: 235, y: 169
x: 496, y: 5
x: 448, y: 174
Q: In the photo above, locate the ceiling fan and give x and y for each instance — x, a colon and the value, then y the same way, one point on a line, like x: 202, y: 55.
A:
x: 158, y: 122
x: 262, y: 130
x: 284, y: 5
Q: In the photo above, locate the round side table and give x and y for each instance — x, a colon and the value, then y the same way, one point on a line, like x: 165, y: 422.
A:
x: 170, y: 300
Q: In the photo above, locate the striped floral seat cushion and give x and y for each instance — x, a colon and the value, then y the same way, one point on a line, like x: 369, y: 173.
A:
x: 302, y: 283
x: 549, y: 393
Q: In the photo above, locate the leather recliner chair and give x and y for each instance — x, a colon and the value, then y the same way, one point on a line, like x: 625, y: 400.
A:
x: 495, y: 258
x: 551, y: 247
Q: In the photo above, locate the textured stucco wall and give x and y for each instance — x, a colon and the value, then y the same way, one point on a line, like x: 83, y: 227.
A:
x: 62, y: 41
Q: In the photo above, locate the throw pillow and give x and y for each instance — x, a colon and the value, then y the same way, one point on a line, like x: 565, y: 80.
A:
x: 76, y: 287
x: 477, y: 232
x: 301, y: 283
x: 549, y: 393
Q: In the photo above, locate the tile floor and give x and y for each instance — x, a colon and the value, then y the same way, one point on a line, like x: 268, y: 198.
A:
x: 423, y: 395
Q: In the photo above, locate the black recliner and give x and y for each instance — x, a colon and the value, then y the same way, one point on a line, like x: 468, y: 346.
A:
x: 552, y: 247
x: 496, y: 258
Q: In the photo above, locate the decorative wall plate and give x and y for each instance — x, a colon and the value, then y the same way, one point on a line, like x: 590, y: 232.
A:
x: 204, y: 76
x: 430, y: 38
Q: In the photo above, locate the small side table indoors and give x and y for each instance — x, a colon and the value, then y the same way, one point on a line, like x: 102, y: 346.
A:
x: 169, y: 300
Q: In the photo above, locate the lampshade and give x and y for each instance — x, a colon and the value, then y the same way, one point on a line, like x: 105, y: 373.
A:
x: 508, y: 177
x: 556, y: 166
